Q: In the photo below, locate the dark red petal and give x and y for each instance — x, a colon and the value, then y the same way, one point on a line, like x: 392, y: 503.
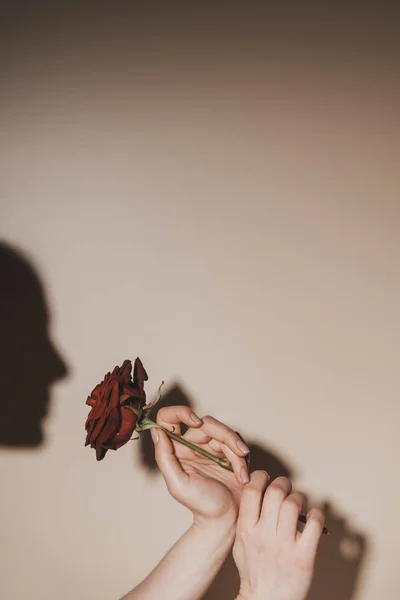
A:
x: 100, y: 452
x: 98, y: 390
x: 91, y: 401
x: 90, y: 425
x: 130, y: 391
x: 102, y: 410
x: 110, y: 428
x: 125, y: 430
x: 139, y: 374
x: 125, y: 372
x: 102, y: 395
x: 109, y: 398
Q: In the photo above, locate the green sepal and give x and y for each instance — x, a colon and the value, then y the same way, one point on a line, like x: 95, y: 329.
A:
x: 145, y: 424
x: 145, y: 427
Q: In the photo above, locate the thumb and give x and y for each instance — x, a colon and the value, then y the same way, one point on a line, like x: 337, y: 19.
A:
x: 170, y: 467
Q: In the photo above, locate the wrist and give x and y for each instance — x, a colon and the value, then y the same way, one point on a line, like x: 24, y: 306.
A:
x: 224, y: 525
x: 220, y: 531
x: 246, y: 593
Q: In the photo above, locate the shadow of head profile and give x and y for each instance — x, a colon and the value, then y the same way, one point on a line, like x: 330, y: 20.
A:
x: 29, y: 362
x: 340, y: 556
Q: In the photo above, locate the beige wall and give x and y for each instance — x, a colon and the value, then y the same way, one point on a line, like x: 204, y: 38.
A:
x: 230, y: 213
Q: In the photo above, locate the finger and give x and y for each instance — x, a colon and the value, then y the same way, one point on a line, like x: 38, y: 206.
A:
x: 216, y: 446
x: 198, y: 436
x: 175, y: 477
x: 223, y: 434
x: 309, y: 539
x: 289, y: 515
x: 247, y: 457
x: 273, y: 500
x: 238, y: 463
x: 170, y: 417
x: 251, y: 500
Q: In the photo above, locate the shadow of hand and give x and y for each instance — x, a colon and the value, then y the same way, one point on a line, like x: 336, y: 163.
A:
x: 339, y: 560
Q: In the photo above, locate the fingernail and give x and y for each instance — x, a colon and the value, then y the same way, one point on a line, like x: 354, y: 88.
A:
x: 196, y: 419
x: 154, y: 435
x: 242, y: 447
x: 244, y: 476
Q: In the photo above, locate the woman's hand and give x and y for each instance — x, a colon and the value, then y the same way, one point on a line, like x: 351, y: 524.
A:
x: 211, y: 492
x: 208, y: 490
x: 275, y: 561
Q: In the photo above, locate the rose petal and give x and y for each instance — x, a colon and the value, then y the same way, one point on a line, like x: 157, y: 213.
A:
x: 91, y: 401
x: 100, y: 452
x: 102, y: 409
x: 125, y: 430
x: 125, y: 372
x: 139, y: 374
x: 110, y: 428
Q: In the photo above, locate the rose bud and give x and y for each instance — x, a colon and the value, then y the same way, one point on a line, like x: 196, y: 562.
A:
x: 111, y: 421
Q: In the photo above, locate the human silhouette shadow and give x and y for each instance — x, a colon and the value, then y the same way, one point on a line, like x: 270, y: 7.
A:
x: 340, y: 555
x: 29, y: 362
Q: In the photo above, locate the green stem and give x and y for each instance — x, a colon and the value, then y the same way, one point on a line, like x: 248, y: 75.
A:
x: 146, y: 423
x: 223, y: 462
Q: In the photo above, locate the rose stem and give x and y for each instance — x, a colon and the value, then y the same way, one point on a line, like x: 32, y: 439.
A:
x: 222, y: 462
x: 146, y: 423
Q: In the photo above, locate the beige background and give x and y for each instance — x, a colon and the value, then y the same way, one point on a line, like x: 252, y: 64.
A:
x: 224, y: 204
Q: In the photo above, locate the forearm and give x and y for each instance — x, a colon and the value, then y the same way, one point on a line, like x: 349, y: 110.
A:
x: 187, y: 570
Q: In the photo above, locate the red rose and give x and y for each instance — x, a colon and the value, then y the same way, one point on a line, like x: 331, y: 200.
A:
x: 110, y: 423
